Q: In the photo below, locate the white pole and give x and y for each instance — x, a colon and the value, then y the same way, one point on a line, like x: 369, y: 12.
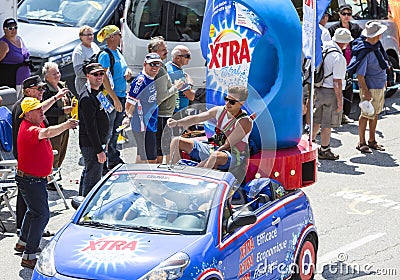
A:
x: 311, y: 101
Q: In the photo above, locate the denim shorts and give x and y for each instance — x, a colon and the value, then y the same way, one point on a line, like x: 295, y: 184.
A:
x: 202, y: 151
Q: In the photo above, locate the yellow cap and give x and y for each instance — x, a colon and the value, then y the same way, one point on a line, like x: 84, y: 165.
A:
x: 29, y: 104
x: 106, y: 32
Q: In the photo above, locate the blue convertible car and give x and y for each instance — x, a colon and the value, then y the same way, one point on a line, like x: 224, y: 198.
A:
x: 180, y: 222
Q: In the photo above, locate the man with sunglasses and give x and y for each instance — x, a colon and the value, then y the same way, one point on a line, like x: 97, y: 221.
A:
x: 142, y: 111
x: 166, y: 98
x: 14, y: 57
x: 32, y: 87
x: 180, y: 56
x: 345, y: 14
x: 231, y: 134
x: 93, y: 128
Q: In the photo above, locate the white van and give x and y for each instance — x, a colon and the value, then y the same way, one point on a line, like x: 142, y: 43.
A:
x: 178, y: 21
x: 50, y: 29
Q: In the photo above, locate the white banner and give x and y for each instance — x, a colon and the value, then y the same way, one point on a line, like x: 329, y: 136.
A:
x: 309, y: 7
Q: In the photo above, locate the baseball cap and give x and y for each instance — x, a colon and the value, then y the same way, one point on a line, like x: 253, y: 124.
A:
x: 152, y: 57
x: 345, y: 7
x: 93, y: 67
x: 9, y: 22
x: 106, y: 32
x: 29, y: 104
x: 32, y: 82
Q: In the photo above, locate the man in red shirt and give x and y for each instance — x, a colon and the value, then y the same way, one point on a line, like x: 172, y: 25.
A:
x: 31, y: 178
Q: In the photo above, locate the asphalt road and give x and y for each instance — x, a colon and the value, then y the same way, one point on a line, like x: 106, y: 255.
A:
x: 356, y: 203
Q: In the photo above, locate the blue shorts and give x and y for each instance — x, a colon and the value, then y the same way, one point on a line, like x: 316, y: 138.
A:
x: 146, y: 145
x: 202, y: 151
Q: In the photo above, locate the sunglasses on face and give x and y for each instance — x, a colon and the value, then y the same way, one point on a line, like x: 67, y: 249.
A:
x: 346, y: 14
x: 185, y: 55
x: 231, y: 101
x: 96, y: 74
x: 39, y: 88
x: 11, y: 28
x: 155, y: 64
x: 88, y: 35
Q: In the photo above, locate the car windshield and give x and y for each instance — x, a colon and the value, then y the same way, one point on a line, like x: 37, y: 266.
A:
x: 175, y: 20
x: 70, y: 13
x: 151, y: 202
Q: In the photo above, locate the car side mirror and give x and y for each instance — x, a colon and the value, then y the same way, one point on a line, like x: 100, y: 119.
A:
x: 77, y: 201
x: 240, y: 219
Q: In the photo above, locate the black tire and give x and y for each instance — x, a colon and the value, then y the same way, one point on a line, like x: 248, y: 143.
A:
x: 308, y: 252
x: 392, y: 77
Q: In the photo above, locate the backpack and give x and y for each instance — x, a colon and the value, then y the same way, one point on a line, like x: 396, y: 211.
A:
x: 95, y: 59
x: 319, y: 75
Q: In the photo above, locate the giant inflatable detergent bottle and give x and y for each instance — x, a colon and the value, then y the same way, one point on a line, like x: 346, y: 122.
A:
x: 257, y: 43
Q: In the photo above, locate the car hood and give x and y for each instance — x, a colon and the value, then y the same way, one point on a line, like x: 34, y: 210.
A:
x: 46, y: 40
x: 93, y: 253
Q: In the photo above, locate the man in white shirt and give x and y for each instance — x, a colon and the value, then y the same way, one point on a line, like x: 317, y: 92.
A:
x: 329, y: 98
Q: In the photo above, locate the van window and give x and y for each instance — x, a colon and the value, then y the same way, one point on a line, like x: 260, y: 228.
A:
x: 71, y: 13
x: 175, y: 20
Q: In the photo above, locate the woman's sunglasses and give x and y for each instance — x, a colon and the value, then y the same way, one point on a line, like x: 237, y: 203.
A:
x: 11, y: 28
x: 96, y: 74
x: 346, y: 14
x: 231, y: 101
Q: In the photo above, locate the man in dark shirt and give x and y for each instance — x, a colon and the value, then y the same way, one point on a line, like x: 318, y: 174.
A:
x: 93, y: 128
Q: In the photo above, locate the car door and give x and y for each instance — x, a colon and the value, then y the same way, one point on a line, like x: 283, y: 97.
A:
x: 254, y: 250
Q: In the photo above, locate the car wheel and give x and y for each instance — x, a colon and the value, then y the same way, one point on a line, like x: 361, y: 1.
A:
x: 393, y: 78
x: 306, y: 261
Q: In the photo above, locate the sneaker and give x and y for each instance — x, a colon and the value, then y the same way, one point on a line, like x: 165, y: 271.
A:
x: 28, y: 263
x: 327, y: 154
x: 346, y: 119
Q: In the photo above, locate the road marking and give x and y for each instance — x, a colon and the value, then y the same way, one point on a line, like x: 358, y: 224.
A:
x: 355, y: 211
x: 332, y: 255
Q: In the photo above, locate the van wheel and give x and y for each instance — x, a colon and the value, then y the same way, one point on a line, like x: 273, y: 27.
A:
x: 306, y: 261
x: 392, y: 77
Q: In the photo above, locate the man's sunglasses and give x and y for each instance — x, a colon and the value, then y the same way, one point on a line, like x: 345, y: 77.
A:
x: 38, y: 88
x: 188, y: 55
x: 346, y: 14
x: 11, y: 28
x: 96, y: 74
x: 155, y: 64
x: 231, y: 101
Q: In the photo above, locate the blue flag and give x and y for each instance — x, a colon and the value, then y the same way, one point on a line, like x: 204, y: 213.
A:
x: 205, y: 28
x: 322, y: 5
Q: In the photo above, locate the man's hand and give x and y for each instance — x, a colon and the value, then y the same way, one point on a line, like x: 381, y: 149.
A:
x: 71, y: 123
x: 128, y: 74
x: 179, y: 83
x: 60, y: 94
x: 367, y: 94
x: 101, y: 157
x: 117, y: 104
x: 67, y: 109
x: 172, y: 123
x: 126, y: 122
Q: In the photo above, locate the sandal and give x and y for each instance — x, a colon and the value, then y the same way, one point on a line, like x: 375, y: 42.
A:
x: 363, y: 148
x: 374, y: 145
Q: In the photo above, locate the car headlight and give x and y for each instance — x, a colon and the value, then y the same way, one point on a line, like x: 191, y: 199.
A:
x: 62, y: 59
x: 171, y: 268
x: 45, y: 264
